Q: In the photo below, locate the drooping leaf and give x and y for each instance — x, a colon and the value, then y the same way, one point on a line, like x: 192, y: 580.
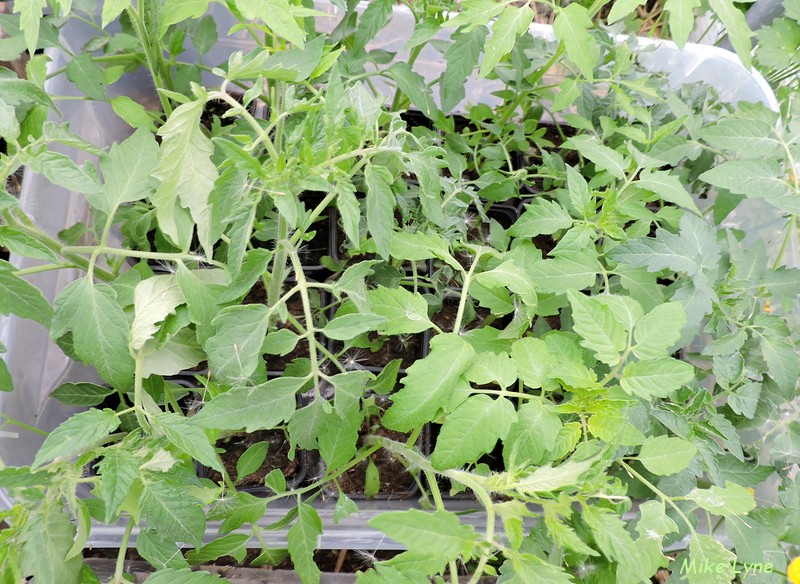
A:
x: 736, y: 27
x: 461, y: 57
x: 233, y: 545
x: 571, y: 27
x: 380, y: 207
x: 511, y: 23
x: 706, y: 551
x: 47, y: 540
x: 600, y: 330
x: 732, y: 499
x: 603, y: 157
x: 22, y: 298
x: 656, y: 378
x: 303, y: 541
x: 235, y: 349
x: 127, y: 171
x: 81, y: 394
x: 189, y: 438
x: 681, y: 19
x: 118, y: 470
x: 177, y: 515
x: 76, y: 434
x: 665, y: 455
x: 440, y: 533
x: 87, y: 76
x: 154, y: 299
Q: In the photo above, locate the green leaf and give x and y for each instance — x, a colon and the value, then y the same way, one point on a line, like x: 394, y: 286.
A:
x: 21, y: 298
x: 112, y: 9
x: 252, y: 269
x: 745, y: 400
x: 681, y: 19
x: 472, y: 429
x: 534, y: 362
x: 235, y: 350
x: 440, y: 533
x: 350, y: 211
x: 30, y: 15
x: 345, y: 507
x: 62, y: 171
x: 603, y: 157
x: 600, y: 330
x: 414, y: 86
x: 750, y: 138
x: 665, y: 455
x: 177, y: 515
x: 571, y: 27
x: 153, y: 299
x: 252, y: 408
x: 541, y: 217
x: 81, y: 394
x: 46, y: 541
x: 127, y: 171
x: 278, y: 15
x: 527, y: 568
x: 779, y: 353
x: 533, y: 434
x: 87, y: 76
x: 118, y: 470
x: 491, y: 367
x: 184, y: 434
x: 428, y: 383
x: 657, y: 332
x: 76, y: 434
x: 510, y: 276
x: 19, y: 242
x: 656, y: 378
x: 6, y: 382
x: 350, y: 388
x: 303, y: 541
x: 349, y: 326
x: 419, y: 246
x: 753, y: 178
x: 15, y: 91
x: 732, y: 499
x: 187, y: 175
x: 404, y: 312
x: 134, y: 114
x: 201, y: 299
x: 461, y: 58
x: 736, y: 28
x: 474, y: 13
x: 706, y: 551
x: 251, y: 459
x: 183, y: 576
x: 294, y: 65
x: 668, y: 187
x: 512, y: 22
x: 338, y: 437
x: 175, y: 11
x: 615, y: 542
x: 622, y: 9
x: 233, y: 545
x: 380, y: 207
x: 570, y: 270
x: 375, y: 16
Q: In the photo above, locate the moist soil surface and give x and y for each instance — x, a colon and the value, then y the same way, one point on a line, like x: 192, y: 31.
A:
x: 277, y: 457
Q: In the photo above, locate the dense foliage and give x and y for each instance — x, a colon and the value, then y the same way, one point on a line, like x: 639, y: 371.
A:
x: 583, y: 347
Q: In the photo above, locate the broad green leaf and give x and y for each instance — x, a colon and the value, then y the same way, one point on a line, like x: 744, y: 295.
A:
x: 600, y: 330
x: 665, y: 455
x: 533, y: 434
x: 750, y: 138
x: 76, y: 434
x: 349, y: 326
x: 753, y: 178
x: 472, y: 429
x: 570, y: 270
x: 461, y: 58
x: 46, y: 541
x: 745, y: 400
x: 278, y: 15
x: 350, y: 388
x: 380, y: 207
x: 549, y: 478
x: 252, y: 408
x: 118, y: 469
x: 21, y: 243
x: 732, y: 499
x: 251, y: 459
x: 158, y: 552
x: 510, y: 276
x: 428, y: 383
x: 603, y: 157
x: 87, y: 76
x: 534, y: 362
x: 527, y: 568
x: 252, y: 269
x: 154, y: 299
x: 658, y: 331
x: 779, y: 352
x: 127, y: 171
x: 418, y: 246
x: 6, y: 382
x: 134, y: 114
x: 201, y: 300
x: 61, y: 170
x: 414, y: 86
x: 183, y: 576
x: 404, y: 311
x: 184, y: 434
x: 439, y: 533
x: 475, y: 13
x: 112, y: 9
x: 177, y: 515
x: 338, y: 437
x: 22, y: 298
x: 622, y: 9
x: 30, y: 15
x: 81, y: 394
x: 294, y: 65
x: 237, y: 509
x: 303, y: 541
x: 571, y: 27
x: 736, y: 27
x: 512, y: 22
x: 615, y: 542
x: 681, y: 19
x: 376, y: 16
x: 187, y: 175
x: 668, y: 187
x: 541, y: 217
x: 706, y: 551
x: 180, y: 352
x: 491, y: 367
x: 232, y: 545
x: 656, y: 378
x: 15, y: 91
x: 234, y: 351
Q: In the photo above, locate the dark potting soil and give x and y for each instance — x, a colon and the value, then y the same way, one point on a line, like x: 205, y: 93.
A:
x: 445, y: 318
x: 407, y: 348
x: 277, y: 457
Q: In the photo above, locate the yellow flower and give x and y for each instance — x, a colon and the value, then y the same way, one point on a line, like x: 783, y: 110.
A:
x: 794, y: 571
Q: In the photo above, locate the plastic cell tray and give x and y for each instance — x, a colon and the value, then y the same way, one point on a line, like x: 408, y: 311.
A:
x: 38, y: 366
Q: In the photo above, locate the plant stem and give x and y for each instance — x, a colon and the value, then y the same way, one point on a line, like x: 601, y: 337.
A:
x: 147, y: 255
x: 462, y: 302
x: 23, y: 425
x: 309, y: 316
x: 279, y: 263
x: 138, y: 390
x: 123, y: 550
